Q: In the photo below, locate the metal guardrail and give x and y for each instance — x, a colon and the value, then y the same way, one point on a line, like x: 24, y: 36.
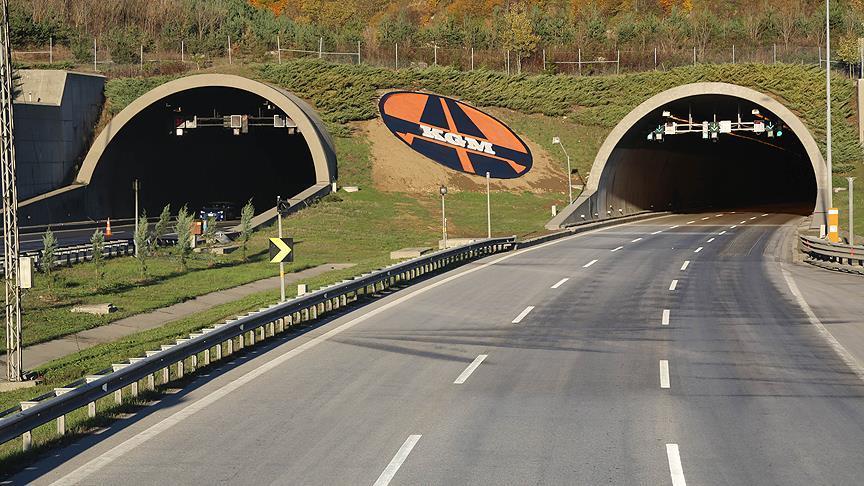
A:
x: 836, y: 256
x: 21, y: 420
x: 71, y: 254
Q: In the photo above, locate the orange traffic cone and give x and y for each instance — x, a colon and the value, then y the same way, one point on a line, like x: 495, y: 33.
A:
x: 108, y: 229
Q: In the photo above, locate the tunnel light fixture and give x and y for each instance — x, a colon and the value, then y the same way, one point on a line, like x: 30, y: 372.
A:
x: 711, y: 130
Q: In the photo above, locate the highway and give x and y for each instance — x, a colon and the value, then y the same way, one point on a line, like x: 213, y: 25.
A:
x: 668, y: 351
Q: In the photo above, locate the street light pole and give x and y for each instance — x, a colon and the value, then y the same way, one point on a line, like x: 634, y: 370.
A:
x: 488, y: 210
x: 851, y: 214
x: 828, y: 102
x: 557, y: 141
x: 281, y: 264
x: 137, y: 214
x: 443, y: 191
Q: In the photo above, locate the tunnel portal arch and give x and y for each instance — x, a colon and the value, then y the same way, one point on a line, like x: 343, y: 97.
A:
x: 312, y: 139
x: 603, y: 196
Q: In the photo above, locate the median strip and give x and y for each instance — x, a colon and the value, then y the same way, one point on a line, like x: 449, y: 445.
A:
x: 470, y: 369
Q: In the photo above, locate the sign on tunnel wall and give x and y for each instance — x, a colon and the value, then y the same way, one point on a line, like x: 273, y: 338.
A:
x: 455, y: 135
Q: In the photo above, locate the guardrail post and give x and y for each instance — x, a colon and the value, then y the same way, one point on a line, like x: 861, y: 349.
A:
x: 241, y: 341
x: 207, y: 357
x: 91, y: 407
x: 180, y: 366
x: 151, y: 381
x: 118, y: 396
x: 193, y: 362
x: 27, y: 437
x: 61, y: 420
x: 251, y: 337
x: 230, y: 349
x: 166, y: 375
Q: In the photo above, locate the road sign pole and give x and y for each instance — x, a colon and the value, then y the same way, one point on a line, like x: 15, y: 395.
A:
x: 281, y: 264
x: 137, y: 214
x: 851, y: 214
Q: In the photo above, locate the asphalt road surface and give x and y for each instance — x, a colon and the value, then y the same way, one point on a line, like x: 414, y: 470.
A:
x: 668, y: 351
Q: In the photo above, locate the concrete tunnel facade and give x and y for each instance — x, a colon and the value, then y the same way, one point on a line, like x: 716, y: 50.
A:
x: 202, y: 165
x: 686, y: 173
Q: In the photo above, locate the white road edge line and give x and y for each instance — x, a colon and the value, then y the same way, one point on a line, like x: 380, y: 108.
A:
x: 470, y: 369
x: 637, y: 239
x: 673, y: 285
x: 686, y: 264
x: 592, y: 262
x: 675, y: 469
x: 523, y: 314
x: 107, y: 457
x: 616, y: 249
x: 697, y: 250
x: 664, y: 373
x: 560, y: 283
x: 841, y: 351
x: 665, y: 320
x: 402, y: 454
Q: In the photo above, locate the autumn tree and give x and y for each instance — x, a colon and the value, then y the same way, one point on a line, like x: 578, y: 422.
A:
x: 518, y: 34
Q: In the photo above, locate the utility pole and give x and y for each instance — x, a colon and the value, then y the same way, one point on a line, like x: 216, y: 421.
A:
x: 828, y: 103
x: 14, y: 371
x: 557, y: 141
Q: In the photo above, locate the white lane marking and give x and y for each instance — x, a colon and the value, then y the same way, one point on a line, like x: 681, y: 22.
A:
x: 592, y: 262
x: 686, y: 263
x: 616, y: 249
x: 722, y: 232
x: 402, y: 454
x: 560, y: 283
x: 733, y: 226
x: 523, y: 314
x: 706, y: 217
x: 709, y: 240
x: 691, y: 222
x: 665, y: 320
x: 733, y: 212
x: 673, y: 285
x: 766, y: 214
x: 637, y: 239
x: 675, y: 468
x: 841, y: 351
x: 742, y: 222
x: 697, y: 250
x: 673, y: 227
x: 754, y: 217
x: 470, y: 369
x: 664, y: 373
x: 718, y: 215
x: 657, y: 232
x: 135, y: 441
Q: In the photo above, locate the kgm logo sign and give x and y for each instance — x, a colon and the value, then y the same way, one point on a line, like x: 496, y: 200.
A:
x: 456, y: 135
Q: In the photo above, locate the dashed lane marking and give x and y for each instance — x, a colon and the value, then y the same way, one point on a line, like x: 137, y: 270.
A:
x: 686, y: 264
x: 664, y: 373
x: 675, y: 468
x: 665, y: 319
x: 560, y: 283
x: 616, y: 249
x: 402, y: 454
x: 523, y: 314
x: 592, y: 262
x: 697, y: 250
x: 673, y: 285
x: 470, y: 369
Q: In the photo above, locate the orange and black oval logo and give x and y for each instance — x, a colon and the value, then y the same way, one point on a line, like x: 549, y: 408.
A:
x: 456, y: 135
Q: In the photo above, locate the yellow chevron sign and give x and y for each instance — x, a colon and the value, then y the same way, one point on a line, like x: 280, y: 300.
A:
x: 281, y: 250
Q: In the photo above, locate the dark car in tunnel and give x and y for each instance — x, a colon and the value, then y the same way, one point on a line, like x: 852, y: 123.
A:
x: 221, y: 211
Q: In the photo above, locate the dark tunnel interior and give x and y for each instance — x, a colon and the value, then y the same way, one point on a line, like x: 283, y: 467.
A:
x: 205, y: 164
x: 687, y: 172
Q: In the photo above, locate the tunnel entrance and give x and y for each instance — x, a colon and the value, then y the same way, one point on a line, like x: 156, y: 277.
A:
x: 700, y: 146
x: 206, y: 160
x: 196, y: 140
x: 692, y: 169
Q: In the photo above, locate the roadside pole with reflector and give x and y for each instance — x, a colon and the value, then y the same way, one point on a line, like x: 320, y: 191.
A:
x: 833, y: 225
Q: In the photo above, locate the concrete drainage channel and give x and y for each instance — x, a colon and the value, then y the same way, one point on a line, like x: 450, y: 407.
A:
x: 212, y: 344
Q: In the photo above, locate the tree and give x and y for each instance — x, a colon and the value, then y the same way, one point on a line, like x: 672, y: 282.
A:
x: 790, y: 22
x: 140, y: 240
x: 161, y: 227
x: 209, y: 237
x: 518, y: 34
x: 49, y: 247
x: 183, y: 228
x: 246, y: 215
x: 97, y: 242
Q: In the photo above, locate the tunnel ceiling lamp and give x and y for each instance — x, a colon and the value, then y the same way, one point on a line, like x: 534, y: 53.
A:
x: 711, y: 130
x: 239, y: 124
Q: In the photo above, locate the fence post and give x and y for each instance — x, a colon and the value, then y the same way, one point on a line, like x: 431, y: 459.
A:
x: 397, y: 55
x: 358, y: 52
x: 141, y: 59
x: 694, y: 55
x: 655, y: 58
x: 544, y: 59
x: 472, y: 58
x: 775, y: 53
x: 435, y: 58
x: 182, y: 51
x: 95, y: 51
x: 733, y: 53
x: 320, y: 47
x: 579, y: 63
x: 278, y: 50
x: 229, y: 50
x: 51, y: 50
x: 618, y: 63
